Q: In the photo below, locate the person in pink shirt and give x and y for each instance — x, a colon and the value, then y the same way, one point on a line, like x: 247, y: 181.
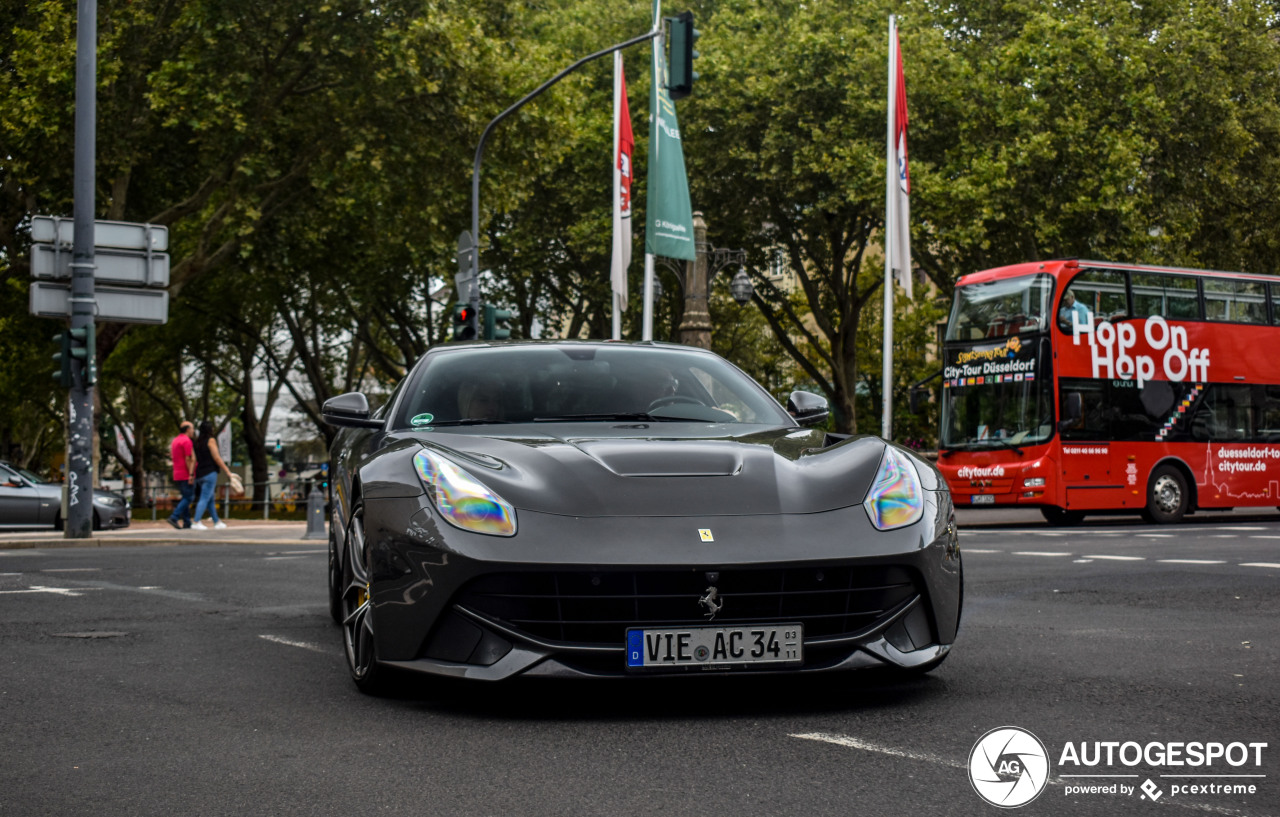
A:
x: 183, y: 451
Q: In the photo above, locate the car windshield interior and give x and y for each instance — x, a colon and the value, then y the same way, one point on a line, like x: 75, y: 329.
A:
x: 482, y: 385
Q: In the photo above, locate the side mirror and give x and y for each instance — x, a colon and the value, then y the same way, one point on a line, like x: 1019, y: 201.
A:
x: 1072, y: 410
x: 350, y: 410
x: 808, y: 408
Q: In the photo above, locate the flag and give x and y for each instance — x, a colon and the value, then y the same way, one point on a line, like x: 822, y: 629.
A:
x: 668, y: 213
x: 624, y: 144
x: 898, y: 182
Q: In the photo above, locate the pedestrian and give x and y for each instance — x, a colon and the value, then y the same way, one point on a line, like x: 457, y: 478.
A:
x: 184, y: 474
x: 208, y: 463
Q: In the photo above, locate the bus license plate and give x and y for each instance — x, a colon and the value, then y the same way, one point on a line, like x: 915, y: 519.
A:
x: 715, y: 646
x: 983, y: 499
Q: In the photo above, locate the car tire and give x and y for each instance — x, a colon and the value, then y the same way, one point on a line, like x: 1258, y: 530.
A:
x: 57, y: 521
x: 357, y: 613
x: 1061, y: 517
x: 1167, y: 496
x: 335, y: 579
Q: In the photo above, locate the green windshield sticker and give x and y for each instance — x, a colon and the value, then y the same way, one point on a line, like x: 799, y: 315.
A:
x: 422, y: 420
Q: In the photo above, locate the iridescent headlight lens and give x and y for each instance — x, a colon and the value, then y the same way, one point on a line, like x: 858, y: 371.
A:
x: 896, y: 498
x: 462, y: 500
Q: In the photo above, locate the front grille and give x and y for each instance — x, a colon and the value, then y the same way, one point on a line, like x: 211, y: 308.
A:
x: 596, y: 608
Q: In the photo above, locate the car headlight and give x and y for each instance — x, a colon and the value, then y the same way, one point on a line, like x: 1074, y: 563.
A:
x: 109, y: 501
x: 896, y: 498
x: 462, y: 500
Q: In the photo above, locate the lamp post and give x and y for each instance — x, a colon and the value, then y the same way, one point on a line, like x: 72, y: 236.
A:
x: 696, y: 278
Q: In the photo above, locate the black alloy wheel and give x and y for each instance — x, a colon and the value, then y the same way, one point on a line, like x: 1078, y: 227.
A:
x: 357, y: 611
x: 1167, y: 496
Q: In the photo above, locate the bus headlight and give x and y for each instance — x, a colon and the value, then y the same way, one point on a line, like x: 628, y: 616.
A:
x: 1034, y: 482
x: 895, y: 498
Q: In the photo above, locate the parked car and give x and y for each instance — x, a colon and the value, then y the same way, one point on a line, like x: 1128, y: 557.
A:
x: 596, y: 509
x: 26, y: 499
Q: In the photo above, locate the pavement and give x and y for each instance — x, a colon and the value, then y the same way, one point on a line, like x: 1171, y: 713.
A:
x: 160, y: 534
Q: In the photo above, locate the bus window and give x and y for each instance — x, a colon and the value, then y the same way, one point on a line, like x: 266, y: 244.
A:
x: 1269, y: 414
x: 1169, y: 296
x: 999, y: 309
x: 1119, y: 410
x: 1099, y: 292
x: 1226, y: 413
x: 1234, y: 301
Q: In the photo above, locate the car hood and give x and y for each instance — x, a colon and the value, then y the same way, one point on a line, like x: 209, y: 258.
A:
x: 665, y: 469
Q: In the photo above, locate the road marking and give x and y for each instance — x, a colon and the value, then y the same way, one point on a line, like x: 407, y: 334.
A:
x: 281, y: 558
x: 966, y: 550
x: 854, y: 743
x: 276, y: 639
x: 1120, y: 558
x: 317, y: 550
x: 1259, y: 564
x: 61, y: 591
x: 866, y: 746
x: 1039, y: 553
x: 1223, y: 536
x: 1260, y: 536
x: 1239, y: 527
x: 1157, y: 535
x: 1191, y: 561
x: 71, y: 570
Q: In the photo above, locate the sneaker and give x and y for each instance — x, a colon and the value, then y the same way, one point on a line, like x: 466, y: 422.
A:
x: 198, y: 526
x: 174, y: 523
x: 220, y: 525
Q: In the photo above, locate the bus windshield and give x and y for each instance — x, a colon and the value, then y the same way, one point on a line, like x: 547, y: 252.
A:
x: 998, y: 309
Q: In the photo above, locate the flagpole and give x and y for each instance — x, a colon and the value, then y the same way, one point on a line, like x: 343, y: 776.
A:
x: 646, y: 324
x: 617, y: 185
x: 890, y: 235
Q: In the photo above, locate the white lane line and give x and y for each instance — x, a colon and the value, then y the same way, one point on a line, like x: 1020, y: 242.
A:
x: 1259, y: 564
x: 276, y: 639
x: 1262, y: 536
x: 1120, y: 558
x: 281, y: 558
x: 866, y: 746
x: 1191, y: 561
x: 1239, y: 527
x: 1039, y: 553
x: 966, y: 550
x: 854, y: 743
x: 60, y: 591
x: 71, y: 570
x: 1223, y: 536
x: 1156, y: 535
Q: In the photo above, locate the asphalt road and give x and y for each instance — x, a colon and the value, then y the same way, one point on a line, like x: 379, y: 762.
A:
x: 208, y: 679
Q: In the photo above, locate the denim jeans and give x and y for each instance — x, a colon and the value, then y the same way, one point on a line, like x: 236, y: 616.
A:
x: 182, y: 511
x: 208, y: 487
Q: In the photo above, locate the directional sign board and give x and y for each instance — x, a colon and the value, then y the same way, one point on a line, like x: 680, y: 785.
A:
x: 111, y: 266
x: 112, y: 304
x: 121, y: 235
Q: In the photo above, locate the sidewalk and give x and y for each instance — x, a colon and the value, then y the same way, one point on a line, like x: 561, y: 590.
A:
x: 161, y: 534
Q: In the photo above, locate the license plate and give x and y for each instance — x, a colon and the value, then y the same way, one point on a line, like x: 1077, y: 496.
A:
x: 983, y: 499
x: 706, y: 647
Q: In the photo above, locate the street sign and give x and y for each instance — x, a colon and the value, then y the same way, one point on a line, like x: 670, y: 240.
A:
x: 112, y: 304
x: 112, y: 266
x: 121, y: 235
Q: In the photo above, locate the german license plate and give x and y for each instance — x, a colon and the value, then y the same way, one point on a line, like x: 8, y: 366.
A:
x: 983, y: 499
x: 706, y: 647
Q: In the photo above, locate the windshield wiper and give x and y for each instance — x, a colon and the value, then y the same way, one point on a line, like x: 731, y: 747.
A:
x: 606, y: 417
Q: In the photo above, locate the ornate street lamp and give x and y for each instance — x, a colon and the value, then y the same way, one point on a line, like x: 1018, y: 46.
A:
x: 741, y: 287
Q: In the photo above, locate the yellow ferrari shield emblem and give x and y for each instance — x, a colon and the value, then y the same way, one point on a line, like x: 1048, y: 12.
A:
x: 705, y: 533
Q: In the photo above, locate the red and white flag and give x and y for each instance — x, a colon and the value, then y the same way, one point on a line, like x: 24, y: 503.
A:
x: 898, y: 184
x: 624, y: 144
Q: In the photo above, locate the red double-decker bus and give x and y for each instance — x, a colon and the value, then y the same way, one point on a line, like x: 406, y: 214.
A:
x: 1090, y: 387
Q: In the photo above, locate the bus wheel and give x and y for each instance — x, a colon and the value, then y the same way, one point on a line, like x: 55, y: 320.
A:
x: 1061, y: 518
x: 1167, y: 496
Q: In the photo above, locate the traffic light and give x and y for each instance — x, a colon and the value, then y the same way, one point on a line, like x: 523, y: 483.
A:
x: 75, y: 344
x: 464, y: 322
x: 62, y: 357
x: 683, y: 35
x: 82, y: 349
x: 492, y: 318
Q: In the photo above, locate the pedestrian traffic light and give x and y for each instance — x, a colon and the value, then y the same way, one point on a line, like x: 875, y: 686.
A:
x: 681, y: 76
x: 62, y: 357
x: 464, y: 322
x: 495, y: 323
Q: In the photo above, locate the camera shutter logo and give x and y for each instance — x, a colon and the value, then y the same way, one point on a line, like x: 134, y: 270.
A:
x: 1008, y: 767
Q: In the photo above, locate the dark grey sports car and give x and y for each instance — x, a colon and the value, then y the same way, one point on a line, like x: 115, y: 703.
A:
x: 592, y: 509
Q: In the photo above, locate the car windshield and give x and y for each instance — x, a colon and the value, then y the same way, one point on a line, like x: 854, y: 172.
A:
x: 570, y: 383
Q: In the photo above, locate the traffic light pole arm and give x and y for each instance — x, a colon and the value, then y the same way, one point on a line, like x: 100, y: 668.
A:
x: 484, y: 136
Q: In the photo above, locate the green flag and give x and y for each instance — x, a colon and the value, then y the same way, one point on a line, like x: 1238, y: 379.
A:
x: 669, y: 216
